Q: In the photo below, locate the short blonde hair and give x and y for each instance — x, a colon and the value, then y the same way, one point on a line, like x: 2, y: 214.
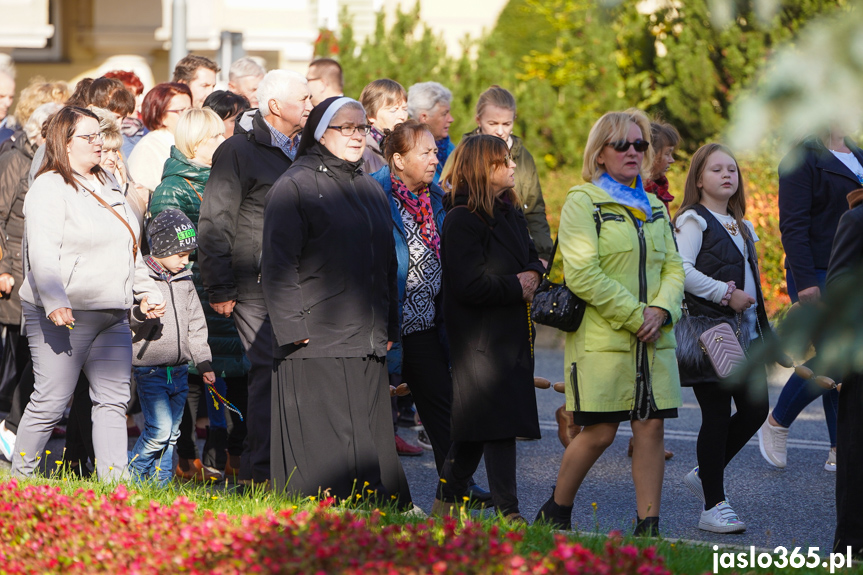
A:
x: 194, y: 126
x: 111, y: 137
x: 611, y: 127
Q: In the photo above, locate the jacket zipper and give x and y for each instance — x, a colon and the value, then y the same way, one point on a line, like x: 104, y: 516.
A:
x: 642, y: 285
x: 372, y: 248
x: 177, y: 322
x: 71, y: 273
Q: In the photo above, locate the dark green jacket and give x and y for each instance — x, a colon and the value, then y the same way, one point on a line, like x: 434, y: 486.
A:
x: 182, y: 188
x: 529, y: 192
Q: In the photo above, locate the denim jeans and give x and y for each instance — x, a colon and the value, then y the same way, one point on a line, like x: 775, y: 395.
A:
x: 798, y: 393
x: 162, y: 392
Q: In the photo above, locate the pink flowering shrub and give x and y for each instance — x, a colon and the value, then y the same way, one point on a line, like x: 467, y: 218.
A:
x: 44, y: 531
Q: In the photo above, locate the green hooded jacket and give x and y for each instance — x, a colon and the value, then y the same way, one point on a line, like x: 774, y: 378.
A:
x: 608, y: 272
x: 182, y: 188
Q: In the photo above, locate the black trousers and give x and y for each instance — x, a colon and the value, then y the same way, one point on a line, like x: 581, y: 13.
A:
x: 16, y: 357
x: 462, y: 461
x: 426, y: 371
x: 849, y: 471
x: 723, y: 435
x: 256, y: 334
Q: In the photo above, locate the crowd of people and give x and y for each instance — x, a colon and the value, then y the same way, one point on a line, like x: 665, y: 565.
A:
x: 290, y: 274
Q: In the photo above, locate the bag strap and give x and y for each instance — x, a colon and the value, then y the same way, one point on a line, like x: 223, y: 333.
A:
x: 122, y: 219
x: 597, y: 219
x: 194, y: 190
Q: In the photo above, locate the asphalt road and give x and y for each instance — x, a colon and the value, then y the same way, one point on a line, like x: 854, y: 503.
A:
x: 790, y: 507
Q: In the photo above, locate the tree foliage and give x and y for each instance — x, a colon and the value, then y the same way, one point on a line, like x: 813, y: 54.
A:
x: 569, y: 61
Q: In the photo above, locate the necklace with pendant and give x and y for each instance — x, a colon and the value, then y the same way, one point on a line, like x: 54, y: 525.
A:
x: 732, y: 228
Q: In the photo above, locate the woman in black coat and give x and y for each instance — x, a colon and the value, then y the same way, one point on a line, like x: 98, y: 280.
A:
x: 490, y: 273
x: 329, y: 279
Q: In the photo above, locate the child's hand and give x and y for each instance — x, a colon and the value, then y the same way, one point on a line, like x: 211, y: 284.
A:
x: 209, y: 377
x: 152, y: 311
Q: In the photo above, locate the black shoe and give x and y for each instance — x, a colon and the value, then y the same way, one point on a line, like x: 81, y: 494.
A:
x: 479, y: 495
x: 558, y: 516
x: 647, y: 527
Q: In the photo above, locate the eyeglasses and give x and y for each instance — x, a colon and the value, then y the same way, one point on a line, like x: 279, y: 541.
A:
x: 623, y: 145
x: 313, y: 79
x: 91, y: 138
x: 348, y: 131
x: 180, y: 111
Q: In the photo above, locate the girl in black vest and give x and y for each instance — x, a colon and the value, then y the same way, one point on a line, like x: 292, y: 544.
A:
x: 722, y: 285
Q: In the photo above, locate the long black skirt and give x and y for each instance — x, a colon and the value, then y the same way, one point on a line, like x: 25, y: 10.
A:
x: 332, y: 431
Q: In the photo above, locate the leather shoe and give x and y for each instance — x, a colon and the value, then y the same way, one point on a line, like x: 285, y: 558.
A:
x: 480, y: 495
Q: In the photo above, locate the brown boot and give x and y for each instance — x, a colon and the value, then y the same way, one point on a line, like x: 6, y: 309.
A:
x: 566, y: 427
x: 232, y: 468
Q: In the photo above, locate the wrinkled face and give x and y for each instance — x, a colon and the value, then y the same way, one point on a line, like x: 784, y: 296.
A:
x: 206, y: 149
x: 247, y: 86
x: 175, y: 263
x: 202, y: 85
x: 178, y: 104
x: 390, y: 116
x: 496, y: 121
x: 438, y: 120
x: 623, y: 167
x: 7, y: 94
x: 503, y: 175
x: 83, y: 155
x: 662, y: 161
x: 110, y: 159
x: 289, y: 116
x: 349, y: 148
x: 720, y: 179
x: 418, y: 166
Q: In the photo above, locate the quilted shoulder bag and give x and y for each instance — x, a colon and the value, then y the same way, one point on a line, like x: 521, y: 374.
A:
x: 722, y: 346
x: 554, y: 304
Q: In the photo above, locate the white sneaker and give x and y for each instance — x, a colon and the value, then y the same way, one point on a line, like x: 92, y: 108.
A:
x: 693, y: 482
x: 831, y: 461
x: 721, y: 519
x: 7, y: 441
x: 772, y: 443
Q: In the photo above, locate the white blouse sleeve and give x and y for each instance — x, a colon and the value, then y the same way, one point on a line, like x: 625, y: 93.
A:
x: 690, y: 230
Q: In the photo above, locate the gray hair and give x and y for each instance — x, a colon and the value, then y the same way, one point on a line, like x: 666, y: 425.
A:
x: 7, y: 65
x: 425, y: 96
x: 245, y: 67
x: 278, y: 85
x: 40, y: 115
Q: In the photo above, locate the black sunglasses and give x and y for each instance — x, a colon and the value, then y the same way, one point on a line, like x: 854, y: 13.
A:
x: 623, y: 145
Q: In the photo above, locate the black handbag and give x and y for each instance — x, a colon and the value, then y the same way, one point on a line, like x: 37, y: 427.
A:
x: 554, y: 304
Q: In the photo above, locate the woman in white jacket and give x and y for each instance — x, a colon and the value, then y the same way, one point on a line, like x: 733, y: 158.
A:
x: 80, y: 255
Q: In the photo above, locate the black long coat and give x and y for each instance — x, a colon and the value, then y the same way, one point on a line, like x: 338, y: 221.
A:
x: 487, y: 323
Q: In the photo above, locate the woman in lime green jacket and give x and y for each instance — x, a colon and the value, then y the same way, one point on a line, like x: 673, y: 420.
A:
x: 619, y: 256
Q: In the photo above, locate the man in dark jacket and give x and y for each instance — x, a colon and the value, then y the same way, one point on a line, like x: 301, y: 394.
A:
x: 230, y: 233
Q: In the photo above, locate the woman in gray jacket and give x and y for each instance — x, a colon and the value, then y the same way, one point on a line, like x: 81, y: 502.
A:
x: 80, y: 255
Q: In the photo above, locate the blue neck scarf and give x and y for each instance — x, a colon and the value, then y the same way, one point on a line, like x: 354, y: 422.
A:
x: 634, y: 198
x: 442, y: 151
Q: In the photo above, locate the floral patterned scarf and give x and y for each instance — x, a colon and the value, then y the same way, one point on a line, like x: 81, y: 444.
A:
x: 419, y: 206
x: 378, y: 136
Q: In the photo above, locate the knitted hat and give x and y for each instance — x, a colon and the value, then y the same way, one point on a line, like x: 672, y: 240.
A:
x: 170, y: 233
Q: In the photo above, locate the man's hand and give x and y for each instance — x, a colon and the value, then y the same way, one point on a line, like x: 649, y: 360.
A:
x: 152, y: 311
x: 209, y: 377
x: 302, y: 342
x: 649, y: 331
x: 809, y: 295
x: 224, y: 308
x: 6, y: 283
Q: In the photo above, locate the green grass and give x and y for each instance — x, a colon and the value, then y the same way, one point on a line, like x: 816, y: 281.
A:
x: 681, y: 557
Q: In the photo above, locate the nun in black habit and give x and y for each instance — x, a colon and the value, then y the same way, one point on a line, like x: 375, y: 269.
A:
x: 329, y: 279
